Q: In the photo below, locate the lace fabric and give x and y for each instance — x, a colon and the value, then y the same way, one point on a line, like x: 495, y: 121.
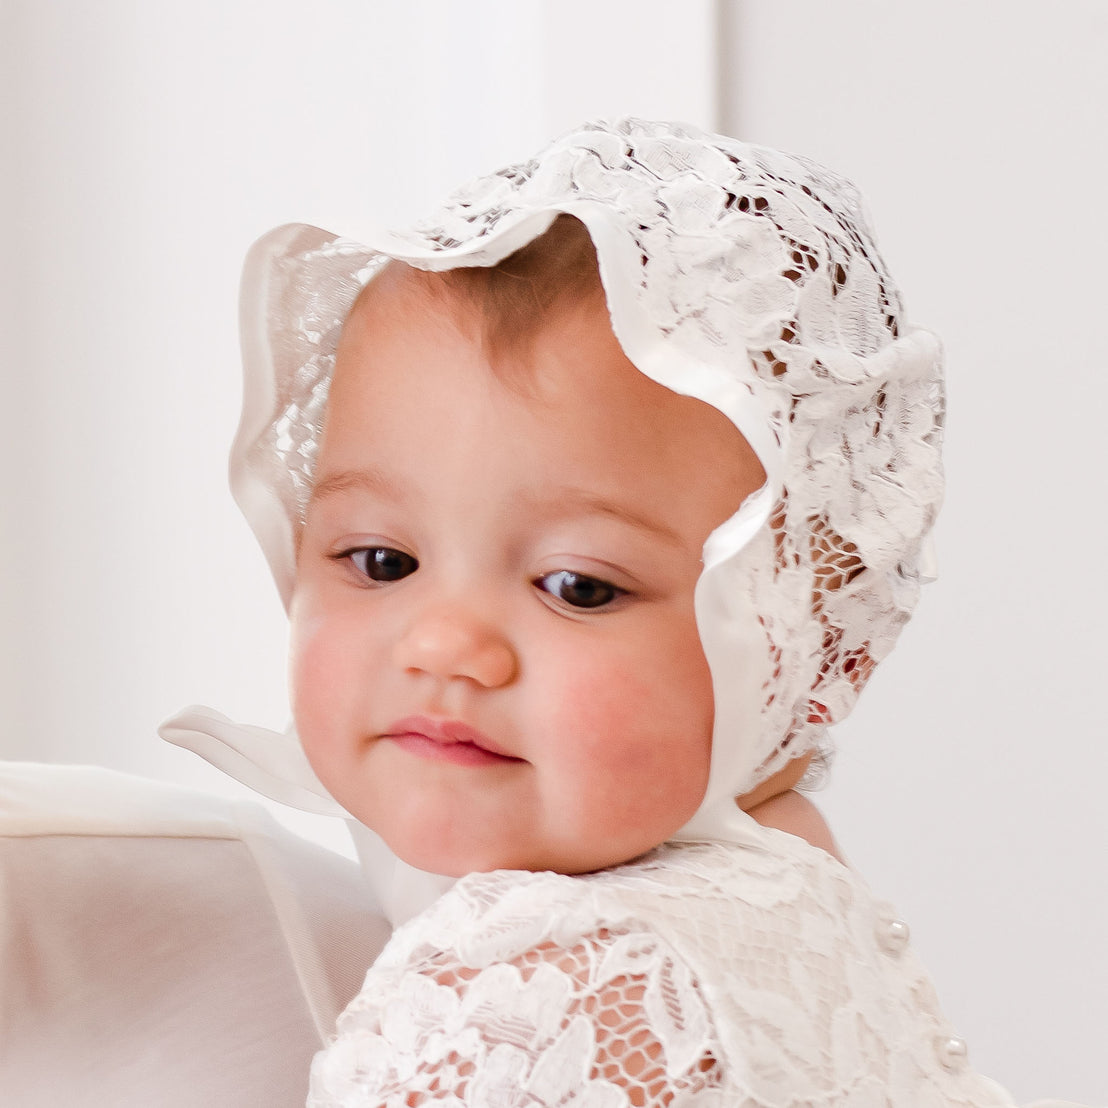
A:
x: 702, y: 975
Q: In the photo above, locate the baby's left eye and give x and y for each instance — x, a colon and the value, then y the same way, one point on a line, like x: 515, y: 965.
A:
x: 382, y: 564
x: 578, y: 590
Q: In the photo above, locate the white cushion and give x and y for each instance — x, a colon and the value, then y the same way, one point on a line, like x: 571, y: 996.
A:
x: 159, y: 946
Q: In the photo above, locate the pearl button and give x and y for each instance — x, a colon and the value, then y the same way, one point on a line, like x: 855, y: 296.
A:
x: 953, y: 1053
x: 894, y: 936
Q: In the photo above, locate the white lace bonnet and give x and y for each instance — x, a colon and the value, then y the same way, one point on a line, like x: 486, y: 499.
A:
x: 735, y: 274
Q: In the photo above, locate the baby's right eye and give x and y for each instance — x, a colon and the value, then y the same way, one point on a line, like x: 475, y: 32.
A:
x: 578, y: 590
x: 381, y: 564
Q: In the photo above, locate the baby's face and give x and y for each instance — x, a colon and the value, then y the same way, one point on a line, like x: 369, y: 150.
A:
x: 495, y: 657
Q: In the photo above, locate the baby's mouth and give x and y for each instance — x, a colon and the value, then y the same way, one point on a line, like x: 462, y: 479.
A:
x: 446, y: 740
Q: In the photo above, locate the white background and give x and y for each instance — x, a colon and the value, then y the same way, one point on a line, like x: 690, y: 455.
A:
x: 147, y: 144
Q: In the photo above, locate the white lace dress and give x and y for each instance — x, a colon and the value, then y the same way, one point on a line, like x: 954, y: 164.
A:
x: 701, y: 975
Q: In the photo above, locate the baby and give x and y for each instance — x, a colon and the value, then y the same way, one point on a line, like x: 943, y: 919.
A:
x: 594, y: 499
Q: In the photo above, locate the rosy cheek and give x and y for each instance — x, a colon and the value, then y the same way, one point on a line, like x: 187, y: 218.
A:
x: 605, y: 712
x: 643, y: 719
x: 626, y: 720
x: 316, y: 677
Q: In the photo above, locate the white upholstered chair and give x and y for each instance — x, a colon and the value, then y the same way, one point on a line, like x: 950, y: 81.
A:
x: 162, y: 947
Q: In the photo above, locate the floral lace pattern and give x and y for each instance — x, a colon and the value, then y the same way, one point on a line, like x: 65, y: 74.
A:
x: 703, y: 975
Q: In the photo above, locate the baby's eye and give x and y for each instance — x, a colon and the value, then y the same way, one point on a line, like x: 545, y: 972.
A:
x: 382, y: 563
x: 579, y: 591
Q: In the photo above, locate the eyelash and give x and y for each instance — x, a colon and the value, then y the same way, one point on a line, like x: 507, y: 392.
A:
x: 608, y: 593
x: 383, y: 565
x: 393, y: 565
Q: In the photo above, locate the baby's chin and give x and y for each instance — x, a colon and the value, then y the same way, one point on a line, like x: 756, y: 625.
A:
x: 457, y: 857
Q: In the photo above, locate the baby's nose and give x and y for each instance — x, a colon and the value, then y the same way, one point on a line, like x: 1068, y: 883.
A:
x: 449, y: 643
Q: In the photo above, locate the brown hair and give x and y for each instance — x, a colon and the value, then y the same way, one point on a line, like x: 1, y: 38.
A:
x: 554, y: 273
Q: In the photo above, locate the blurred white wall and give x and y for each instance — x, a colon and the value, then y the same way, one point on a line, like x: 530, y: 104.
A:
x: 969, y: 786
x: 147, y: 145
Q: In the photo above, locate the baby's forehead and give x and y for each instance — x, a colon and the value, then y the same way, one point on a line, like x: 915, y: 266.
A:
x: 533, y: 347
x: 564, y: 396
x: 517, y: 343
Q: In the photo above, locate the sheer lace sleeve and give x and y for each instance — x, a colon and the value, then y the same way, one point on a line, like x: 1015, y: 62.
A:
x: 614, y: 1019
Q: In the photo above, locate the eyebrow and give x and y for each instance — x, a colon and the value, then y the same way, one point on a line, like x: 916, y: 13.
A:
x: 359, y: 480
x: 569, y: 500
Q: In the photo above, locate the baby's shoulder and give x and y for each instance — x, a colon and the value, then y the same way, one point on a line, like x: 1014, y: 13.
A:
x: 694, y: 897
x: 736, y: 963
x: 559, y: 982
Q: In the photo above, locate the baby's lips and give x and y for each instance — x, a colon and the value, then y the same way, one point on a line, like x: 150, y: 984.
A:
x: 448, y: 732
